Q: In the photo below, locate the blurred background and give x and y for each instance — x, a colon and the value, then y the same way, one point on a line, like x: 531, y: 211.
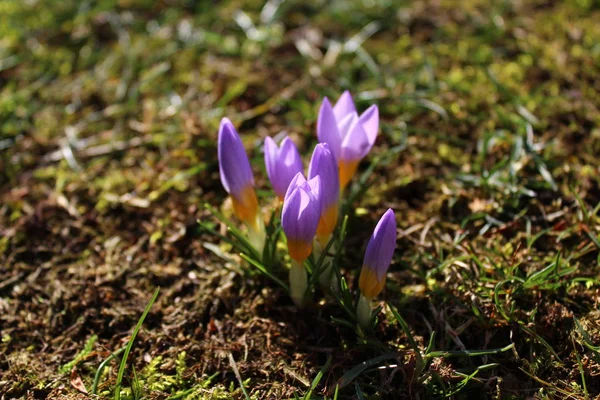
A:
x: 109, y: 112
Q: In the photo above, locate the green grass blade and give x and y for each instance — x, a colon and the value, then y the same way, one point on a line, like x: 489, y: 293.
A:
x: 468, y: 353
x: 101, y: 367
x: 358, y: 391
x: 265, y: 271
x: 318, y: 378
x: 541, y: 340
x: 349, y: 376
x: 409, y: 335
x: 130, y: 344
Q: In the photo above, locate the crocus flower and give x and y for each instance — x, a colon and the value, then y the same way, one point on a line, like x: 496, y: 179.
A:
x: 282, y: 164
x: 323, y: 164
x: 349, y: 135
x: 378, y: 256
x: 236, y: 174
x: 300, y: 215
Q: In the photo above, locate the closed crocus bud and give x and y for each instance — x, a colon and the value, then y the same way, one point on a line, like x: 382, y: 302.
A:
x: 238, y: 181
x: 282, y: 164
x: 378, y: 256
x: 323, y: 164
x: 349, y: 135
x: 299, y: 219
x: 300, y: 215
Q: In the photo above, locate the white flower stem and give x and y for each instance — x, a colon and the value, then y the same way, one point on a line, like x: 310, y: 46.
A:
x: 257, y: 234
x: 327, y: 278
x: 298, y: 283
x: 363, y: 311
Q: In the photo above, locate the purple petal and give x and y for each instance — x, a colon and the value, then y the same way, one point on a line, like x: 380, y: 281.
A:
x: 290, y: 163
x: 344, y: 106
x: 315, y: 188
x: 281, y: 164
x: 370, y: 122
x: 345, y: 123
x: 323, y: 164
x: 234, y: 166
x: 327, y: 128
x: 312, y: 186
x: 356, y: 143
x: 271, y: 152
x: 297, y: 180
x: 300, y: 215
x: 382, y: 244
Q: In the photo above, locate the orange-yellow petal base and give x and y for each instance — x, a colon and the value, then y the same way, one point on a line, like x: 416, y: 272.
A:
x: 245, y: 207
x: 327, y: 223
x: 368, y: 283
x: 299, y: 251
x: 347, y: 171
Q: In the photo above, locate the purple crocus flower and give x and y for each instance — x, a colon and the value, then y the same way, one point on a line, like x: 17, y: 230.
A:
x: 323, y: 164
x: 282, y: 164
x: 300, y: 215
x: 236, y: 174
x: 349, y: 135
x: 378, y: 256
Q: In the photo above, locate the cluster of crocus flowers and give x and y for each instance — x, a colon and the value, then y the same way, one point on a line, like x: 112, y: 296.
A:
x: 311, y: 203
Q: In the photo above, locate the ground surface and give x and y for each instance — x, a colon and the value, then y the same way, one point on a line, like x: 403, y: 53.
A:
x: 490, y: 139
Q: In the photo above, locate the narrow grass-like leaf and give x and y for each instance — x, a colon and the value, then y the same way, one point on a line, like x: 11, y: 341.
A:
x: 130, y: 344
x: 538, y: 277
x: 462, y: 384
x: 244, y: 244
x: 318, y: 378
x: 568, y: 395
x: 358, y: 391
x: 265, y: 271
x: 540, y: 339
x: 236, y: 372
x: 243, y: 247
x: 445, y: 264
x: 587, y: 341
x: 582, y: 206
x: 430, y: 344
x: 349, y: 376
x: 343, y: 322
x: 101, y: 367
x: 136, y: 386
x: 234, y: 231
x: 468, y: 353
x: 497, y: 302
x: 581, y: 371
x: 319, y: 265
x: 406, y: 329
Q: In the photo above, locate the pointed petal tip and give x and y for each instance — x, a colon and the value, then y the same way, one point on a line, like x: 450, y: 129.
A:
x: 344, y: 105
x: 269, y: 141
x: 296, y: 180
x: 226, y: 130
